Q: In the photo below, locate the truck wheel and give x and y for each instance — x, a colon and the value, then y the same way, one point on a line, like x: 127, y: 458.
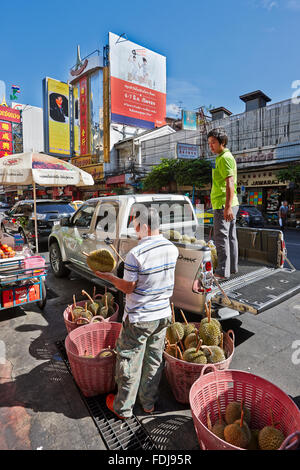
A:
x: 56, y: 262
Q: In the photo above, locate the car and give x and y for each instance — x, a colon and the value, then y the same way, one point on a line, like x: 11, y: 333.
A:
x: 206, y: 218
x: 76, y: 204
x: 249, y: 216
x: 19, y: 219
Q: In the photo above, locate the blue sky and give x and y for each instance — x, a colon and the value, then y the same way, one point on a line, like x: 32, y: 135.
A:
x: 216, y: 51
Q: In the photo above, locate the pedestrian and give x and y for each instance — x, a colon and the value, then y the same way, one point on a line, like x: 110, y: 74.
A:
x: 283, y: 214
x: 148, y: 282
x: 225, y: 204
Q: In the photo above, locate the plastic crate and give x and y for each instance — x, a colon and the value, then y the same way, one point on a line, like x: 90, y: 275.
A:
x: 260, y: 396
x: 94, y: 376
x: 182, y: 374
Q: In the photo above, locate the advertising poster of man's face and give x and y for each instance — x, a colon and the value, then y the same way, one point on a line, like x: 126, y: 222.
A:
x: 59, y: 107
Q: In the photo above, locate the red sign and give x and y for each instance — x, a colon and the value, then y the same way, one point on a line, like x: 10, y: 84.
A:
x: 5, y: 126
x: 3, y: 153
x: 4, y: 135
x: 83, y: 87
x: 137, y: 102
x: 6, y: 146
x: 9, y: 114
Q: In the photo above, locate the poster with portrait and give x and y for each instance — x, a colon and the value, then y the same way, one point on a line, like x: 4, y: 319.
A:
x: 137, y: 84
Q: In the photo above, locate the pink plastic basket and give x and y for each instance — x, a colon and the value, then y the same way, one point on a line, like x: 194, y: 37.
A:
x: 34, y: 262
x: 94, y: 376
x: 181, y: 374
x: 260, y: 397
x: 71, y: 325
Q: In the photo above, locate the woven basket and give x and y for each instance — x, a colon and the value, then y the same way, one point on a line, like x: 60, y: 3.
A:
x: 182, y: 374
x: 260, y: 397
x: 71, y: 325
x: 94, y: 376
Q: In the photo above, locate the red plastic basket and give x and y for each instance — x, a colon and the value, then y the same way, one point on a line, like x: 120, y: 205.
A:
x: 94, y: 376
x: 181, y: 374
x: 71, y: 325
x: 260, y: 397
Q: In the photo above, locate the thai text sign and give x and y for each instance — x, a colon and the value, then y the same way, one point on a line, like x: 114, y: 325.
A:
x: 9, y: 114
x: 84, y: 124
x: 187, y: 151
x: 137, y: 83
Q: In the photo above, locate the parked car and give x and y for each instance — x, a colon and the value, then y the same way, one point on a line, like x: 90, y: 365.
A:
x: 249, y: 216
x: 19, y: 219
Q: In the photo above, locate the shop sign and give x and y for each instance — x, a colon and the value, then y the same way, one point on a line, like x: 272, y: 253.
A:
x: 83, y: 87
x: 4, y: 135
x: 9, y: 114
x: 4, y: 153
x: 96, y: 171
x: 187, y: 151
x: 252, y: 158
x: 5, y: 126
x: 80, y: 162
x: 6, y: 146
x: 266, y: 178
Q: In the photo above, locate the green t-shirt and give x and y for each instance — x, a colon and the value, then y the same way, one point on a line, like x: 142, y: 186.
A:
x: 225, y: 166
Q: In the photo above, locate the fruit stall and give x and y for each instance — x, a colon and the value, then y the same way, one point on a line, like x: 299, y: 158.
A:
x: 22, y: 274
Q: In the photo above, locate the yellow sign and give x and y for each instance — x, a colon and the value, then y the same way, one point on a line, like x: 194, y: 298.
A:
x: 82, y: 161
x: 96, y: 171
x: 58, y: 115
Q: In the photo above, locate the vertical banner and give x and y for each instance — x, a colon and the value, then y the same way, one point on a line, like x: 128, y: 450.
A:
x: 106, y: 116
x: 56, y: 117
x: 137, y: 84
x: 84, y: 122
x: 76, y: 120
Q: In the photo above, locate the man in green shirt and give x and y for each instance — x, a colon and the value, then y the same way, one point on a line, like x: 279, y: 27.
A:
x: 225, y: 204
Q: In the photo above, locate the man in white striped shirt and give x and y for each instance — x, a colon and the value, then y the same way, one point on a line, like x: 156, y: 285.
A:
x: 148, y: 282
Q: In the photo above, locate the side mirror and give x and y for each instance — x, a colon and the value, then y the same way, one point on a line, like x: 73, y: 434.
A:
x: 66, y: 221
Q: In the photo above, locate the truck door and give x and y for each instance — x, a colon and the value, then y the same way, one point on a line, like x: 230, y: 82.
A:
x: 77, y: 239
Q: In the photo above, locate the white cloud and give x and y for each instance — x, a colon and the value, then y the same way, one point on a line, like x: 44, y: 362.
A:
x: 293, y: 5
x: 269, y: 4
x: 173, y: 110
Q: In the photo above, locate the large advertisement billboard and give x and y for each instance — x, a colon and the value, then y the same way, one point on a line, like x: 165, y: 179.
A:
x: 137, y: 84
x: 56, y: 117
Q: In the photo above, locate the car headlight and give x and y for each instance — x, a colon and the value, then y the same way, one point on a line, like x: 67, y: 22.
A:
x: 39, y: 217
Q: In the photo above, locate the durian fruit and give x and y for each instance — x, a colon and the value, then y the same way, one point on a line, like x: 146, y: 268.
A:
x: 101, y: 260
x: 193, y: 239
x: 270, y: 438
x: 219, y: 426
x: 85, y: 315
x: 93, y: 306
x: 186, y: 239
x: 209, y: 329
x: 173, y: 235
x: 233, y: 412
x: 191, y: 340
x: 253, y: 444
x: 188, y: 327
x: 215, y: 354
x: 76, y: 310
x: 195, y: 355
x: 238, y: 433
x: 173, y: 350
x: 175, y: 331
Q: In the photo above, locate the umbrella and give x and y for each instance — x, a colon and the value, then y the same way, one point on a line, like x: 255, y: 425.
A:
x: 23, y: 169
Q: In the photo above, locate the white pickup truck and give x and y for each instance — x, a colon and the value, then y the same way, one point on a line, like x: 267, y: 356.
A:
x: 107, y: 221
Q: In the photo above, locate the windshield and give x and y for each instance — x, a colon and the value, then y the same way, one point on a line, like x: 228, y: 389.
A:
x: 169, y: 211
x: 61, y: 208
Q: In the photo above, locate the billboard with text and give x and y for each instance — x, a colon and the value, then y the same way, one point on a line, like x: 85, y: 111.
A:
x: 137, y: 84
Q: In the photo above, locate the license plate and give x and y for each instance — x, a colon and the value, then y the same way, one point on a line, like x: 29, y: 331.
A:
x: 56, y: 222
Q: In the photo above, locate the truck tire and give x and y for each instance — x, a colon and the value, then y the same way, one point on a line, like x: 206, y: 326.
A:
x: 58, y: 267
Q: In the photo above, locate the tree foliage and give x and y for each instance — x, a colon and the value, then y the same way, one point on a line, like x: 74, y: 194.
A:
x: 291, y: 173
x: 195, y: 172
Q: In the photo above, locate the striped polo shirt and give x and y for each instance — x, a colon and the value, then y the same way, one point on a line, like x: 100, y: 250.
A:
x: 152, y: 264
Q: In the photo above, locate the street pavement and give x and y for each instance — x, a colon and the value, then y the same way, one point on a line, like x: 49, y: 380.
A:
x: 41, y: 408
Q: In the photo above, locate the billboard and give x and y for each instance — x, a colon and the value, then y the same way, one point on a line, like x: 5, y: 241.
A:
x: 9, y: 114
x: 189, y: 120
x: 187, y: 151
x: 56, y: 117
x: 137, y: 84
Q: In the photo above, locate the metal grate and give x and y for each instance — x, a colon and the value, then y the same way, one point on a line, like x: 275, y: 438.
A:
x: 116, y: 434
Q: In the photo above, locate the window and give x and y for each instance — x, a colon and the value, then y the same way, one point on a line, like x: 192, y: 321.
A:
x: 169, y: 211
x: 84, y: 216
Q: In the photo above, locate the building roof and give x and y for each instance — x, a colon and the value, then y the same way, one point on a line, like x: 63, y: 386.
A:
x: 253, y: 95
x: 137, y: 136
x: 221, y: 108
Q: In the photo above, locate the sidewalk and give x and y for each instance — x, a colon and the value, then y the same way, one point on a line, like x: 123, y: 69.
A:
x: 40, y: 407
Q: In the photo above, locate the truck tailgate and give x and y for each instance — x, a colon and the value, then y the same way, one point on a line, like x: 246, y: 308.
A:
x: 260, y: 290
